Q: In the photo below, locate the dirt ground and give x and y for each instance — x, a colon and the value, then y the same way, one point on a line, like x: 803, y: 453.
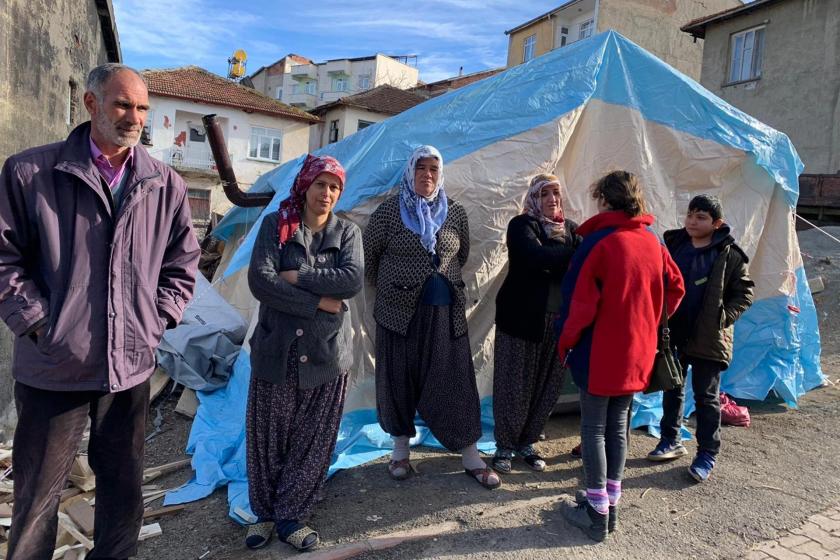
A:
x: 770, y: 477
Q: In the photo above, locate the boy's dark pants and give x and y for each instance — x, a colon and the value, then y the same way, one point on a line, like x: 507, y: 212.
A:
x: 705, y: 381
x: 49, y: 429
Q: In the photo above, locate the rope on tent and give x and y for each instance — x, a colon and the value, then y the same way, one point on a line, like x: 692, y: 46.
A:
x: 815, y: 226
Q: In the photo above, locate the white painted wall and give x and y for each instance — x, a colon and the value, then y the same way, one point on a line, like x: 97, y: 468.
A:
x: 348, y: 123
x: 169, y: 120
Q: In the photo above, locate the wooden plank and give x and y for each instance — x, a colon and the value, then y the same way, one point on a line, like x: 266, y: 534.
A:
x: 69, y: 493
x: 169, y: 467
x: 187, y: 404
x: 60, y: 552
x: 149, y: 531
x: 383, y: 542
x: 82, y: 515
x: 168, y: 510
x: 5, y: 510
x: 81, y: 474
x: 67, y: 524
x: 157, y: 383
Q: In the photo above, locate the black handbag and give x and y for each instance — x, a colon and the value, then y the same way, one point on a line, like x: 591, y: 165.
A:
x: 666, y: 373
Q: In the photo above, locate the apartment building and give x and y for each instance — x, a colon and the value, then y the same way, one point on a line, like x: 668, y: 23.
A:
x: 300, y: 82
x: 654, y: 26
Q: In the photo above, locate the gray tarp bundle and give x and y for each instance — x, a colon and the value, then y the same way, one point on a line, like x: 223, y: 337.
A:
x: 199, y: 352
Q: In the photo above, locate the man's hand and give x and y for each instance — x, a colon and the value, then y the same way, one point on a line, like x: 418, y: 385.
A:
x: 290, y: 276
x: 328, y: 304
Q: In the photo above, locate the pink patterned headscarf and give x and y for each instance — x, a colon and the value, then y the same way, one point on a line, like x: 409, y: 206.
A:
x: 292, y: 207
x: 553, y: 225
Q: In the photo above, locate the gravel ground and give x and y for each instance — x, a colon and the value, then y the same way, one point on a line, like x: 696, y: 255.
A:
x: 770, y: 477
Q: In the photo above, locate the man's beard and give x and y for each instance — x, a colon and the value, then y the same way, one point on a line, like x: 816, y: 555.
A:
x: 112, y: 133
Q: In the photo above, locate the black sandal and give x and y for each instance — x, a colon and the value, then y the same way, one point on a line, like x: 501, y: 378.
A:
x: 501, y: 464
x: 536, y: 462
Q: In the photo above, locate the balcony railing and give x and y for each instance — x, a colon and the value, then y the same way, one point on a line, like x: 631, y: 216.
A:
x: 191, y: 157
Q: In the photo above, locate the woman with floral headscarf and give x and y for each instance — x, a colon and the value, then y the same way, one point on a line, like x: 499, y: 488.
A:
x: 528, y: 374
x: 415, y: 246
x: 305, y: 262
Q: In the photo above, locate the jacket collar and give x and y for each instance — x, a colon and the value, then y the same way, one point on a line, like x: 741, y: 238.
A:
x: 721, y: 238
x: 332, y: 234
x: 614, y: 219
x: 75, y: 157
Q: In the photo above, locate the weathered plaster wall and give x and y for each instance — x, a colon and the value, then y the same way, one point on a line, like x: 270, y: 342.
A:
x: 44, y: 46
x: 799, y: 89
x: 655, y: 25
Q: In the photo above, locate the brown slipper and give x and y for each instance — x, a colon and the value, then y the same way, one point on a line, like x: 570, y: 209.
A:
x: 482, y: 476
x: 399, y: 470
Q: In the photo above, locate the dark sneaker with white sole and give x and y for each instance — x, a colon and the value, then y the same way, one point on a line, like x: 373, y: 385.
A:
x: 667, y: 450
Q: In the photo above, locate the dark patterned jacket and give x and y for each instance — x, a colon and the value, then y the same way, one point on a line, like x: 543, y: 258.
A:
x: 397, y: 264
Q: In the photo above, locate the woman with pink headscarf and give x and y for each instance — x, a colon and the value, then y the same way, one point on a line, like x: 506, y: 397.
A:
x: 305, y: 262
x: 528, y: 374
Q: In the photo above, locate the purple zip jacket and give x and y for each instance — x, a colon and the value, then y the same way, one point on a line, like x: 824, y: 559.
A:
x: 103, y: 284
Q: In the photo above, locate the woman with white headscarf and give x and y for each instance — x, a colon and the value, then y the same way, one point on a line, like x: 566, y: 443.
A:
x: 415, y: 246
x: 527, y: 373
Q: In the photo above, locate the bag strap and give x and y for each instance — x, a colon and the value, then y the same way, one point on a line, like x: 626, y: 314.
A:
x: 664, y: 331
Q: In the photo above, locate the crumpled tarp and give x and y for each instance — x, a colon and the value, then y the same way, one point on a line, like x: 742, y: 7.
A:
x: 199, y: 353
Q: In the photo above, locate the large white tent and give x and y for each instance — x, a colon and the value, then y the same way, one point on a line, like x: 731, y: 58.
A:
x: 597, y: 105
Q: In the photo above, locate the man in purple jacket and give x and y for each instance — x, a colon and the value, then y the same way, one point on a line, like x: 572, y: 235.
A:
x: 97, y: 258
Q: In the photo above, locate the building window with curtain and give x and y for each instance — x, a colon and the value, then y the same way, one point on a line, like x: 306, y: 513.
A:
x: 746, y: 54
x: 265, y: 144
x: 585, y: 29
x: 528, y: 47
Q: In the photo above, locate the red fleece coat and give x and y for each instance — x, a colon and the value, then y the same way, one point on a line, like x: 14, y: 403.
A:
x: 618, y: 293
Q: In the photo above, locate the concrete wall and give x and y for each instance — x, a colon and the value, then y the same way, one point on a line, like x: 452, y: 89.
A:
x: 348, y: 123
x: 43, y: 47
x: 655, y: 25
x: 799, y: 89
x: 544, y: 30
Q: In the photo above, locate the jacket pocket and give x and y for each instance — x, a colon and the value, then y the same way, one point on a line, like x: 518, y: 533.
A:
x: 262, y: 342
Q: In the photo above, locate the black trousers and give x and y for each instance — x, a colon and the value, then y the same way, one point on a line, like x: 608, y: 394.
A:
x: 50, y: 427
x: 705, y: 381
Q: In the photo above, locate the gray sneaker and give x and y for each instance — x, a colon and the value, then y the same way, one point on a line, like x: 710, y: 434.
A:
x: 666, y: 450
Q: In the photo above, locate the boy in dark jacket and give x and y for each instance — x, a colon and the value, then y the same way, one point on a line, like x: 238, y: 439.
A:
x: 718, y: 289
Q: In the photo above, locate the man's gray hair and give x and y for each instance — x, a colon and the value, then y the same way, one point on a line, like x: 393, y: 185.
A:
x: 99, y: 76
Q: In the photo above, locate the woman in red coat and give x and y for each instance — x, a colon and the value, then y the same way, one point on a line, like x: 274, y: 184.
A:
x: 613, y: 296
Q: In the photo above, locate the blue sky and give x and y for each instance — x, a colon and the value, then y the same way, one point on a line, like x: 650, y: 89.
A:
x: 444, y: 34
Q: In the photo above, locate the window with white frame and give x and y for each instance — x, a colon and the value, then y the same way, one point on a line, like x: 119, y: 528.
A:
x: 746, y: 54
x: 585, y: 29
x: 333, y: 131
x: 278, y: 93
x: 311, y: 87
x: 339, y: 84
x: 364, y: 124
x: 265, y: 144
x: 364, y: 82
x: 528, y: 47
x: 146, y: 133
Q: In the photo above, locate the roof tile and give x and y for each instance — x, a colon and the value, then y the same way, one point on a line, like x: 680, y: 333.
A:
x: 196, y: 84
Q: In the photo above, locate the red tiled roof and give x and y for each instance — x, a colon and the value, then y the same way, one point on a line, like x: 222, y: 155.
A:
x: 196, y: 84
x: 697, y: 27
x: 381, y: 99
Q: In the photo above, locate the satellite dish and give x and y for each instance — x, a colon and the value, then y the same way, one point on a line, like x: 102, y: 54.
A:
x: 236, y: 64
